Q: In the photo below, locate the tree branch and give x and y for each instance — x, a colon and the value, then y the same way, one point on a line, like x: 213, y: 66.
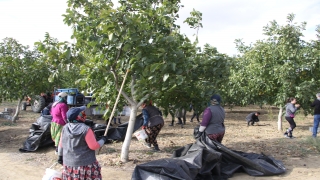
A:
x: 127, y: 97
x: 115, y: 77
x: 142, y: 99
x: 133, y: 80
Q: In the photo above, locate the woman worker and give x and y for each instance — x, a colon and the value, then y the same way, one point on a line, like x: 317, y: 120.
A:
x: 77, y: 148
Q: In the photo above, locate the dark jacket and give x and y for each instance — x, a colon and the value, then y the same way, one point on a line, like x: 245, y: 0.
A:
x: 252, y: 117
x: 316, y: 105
x: 152, y: 116
x: 216, y: 123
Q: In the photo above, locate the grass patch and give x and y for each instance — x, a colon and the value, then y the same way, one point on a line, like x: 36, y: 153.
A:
x: 111, y: 150
x: 313, y: 143
x: 30, y: 159
x: 8, y: 124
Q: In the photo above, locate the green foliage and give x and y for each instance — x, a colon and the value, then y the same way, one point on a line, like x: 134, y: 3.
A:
x: 195, y: 21
x: 22, y: 71
x: 141, y: 36
x: 63, y: 61
x: 269, y: 71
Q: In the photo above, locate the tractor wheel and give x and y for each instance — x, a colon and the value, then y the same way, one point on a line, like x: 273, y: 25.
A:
x: 38, y: 103
x: 24, y: 106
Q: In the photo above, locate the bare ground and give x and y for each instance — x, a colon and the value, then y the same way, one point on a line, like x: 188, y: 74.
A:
x: 299, y: 155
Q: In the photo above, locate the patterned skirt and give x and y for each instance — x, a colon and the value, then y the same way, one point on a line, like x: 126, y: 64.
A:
x: 89, y: 172
x: 216, y: 137
x: 56, y: 130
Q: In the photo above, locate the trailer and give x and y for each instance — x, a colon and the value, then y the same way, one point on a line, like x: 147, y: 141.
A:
x: 74, y: 99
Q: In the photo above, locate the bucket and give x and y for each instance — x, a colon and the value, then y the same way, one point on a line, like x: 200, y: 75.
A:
x: 141, y: 135
x: 52, y: 174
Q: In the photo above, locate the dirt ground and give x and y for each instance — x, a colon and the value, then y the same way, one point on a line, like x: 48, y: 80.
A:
x: 300, y: 156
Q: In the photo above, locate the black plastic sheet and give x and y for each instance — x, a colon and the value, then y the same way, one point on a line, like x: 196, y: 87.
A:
x: 209, y: 160
x: 116, y: 133
x: 40, y: 135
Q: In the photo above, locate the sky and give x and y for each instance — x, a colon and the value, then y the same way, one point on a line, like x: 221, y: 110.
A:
x: 223, y: 20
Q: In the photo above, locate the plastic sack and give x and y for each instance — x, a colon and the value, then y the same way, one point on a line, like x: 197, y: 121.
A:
x: 52, y: 174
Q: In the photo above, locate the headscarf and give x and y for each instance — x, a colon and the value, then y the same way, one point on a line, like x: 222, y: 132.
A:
x: 81, y: 118
x: 76, y: 114
x: 60, y: 100
x: 215, y: 99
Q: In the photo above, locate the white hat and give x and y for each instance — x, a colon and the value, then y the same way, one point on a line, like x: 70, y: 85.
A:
x: 62, y: 94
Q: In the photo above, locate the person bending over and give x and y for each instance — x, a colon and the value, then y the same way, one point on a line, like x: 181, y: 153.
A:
x: 152, y: 122
x: 252, y: 118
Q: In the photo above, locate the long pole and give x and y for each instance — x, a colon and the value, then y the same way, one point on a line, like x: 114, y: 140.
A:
x: 115, y: 105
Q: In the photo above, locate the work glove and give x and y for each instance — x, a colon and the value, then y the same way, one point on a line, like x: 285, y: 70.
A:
x: 104, y: 138
x: 60, y: 160
x: 143, y: 127
x: 199, y: 134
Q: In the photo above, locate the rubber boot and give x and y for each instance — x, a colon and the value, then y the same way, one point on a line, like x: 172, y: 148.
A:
x: 156, y: 148
x: 184, y: 122
x: 171, y: 123
x: 179, y: 121
x: 191, y: 120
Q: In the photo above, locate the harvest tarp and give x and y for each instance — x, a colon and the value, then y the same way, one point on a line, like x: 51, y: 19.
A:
x: 40, y: 132
x: 209, y: 160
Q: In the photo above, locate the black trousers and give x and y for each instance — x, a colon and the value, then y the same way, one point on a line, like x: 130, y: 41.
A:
x: 292, y: 125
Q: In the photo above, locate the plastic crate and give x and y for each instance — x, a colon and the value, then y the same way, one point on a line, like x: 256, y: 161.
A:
x: 71, y: 99
x: 69, y: 91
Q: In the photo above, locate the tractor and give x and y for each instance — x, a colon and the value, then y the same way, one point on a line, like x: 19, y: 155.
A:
x: 39, y: 102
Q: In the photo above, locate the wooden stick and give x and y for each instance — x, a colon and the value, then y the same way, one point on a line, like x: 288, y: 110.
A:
x: 115, y: 105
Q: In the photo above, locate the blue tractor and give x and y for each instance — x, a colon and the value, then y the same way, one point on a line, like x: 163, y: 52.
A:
x: 39, y: 102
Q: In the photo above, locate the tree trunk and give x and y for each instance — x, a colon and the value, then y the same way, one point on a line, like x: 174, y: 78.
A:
x: 184, y: 116
x: 126, y: 144
x: 172, y: 116
x: 16, y: 114
x: 280, y: 119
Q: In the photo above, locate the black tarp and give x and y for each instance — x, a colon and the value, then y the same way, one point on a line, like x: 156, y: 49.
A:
x: 209, y: 160
x: 40, y: 135
x: 118, y: 133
